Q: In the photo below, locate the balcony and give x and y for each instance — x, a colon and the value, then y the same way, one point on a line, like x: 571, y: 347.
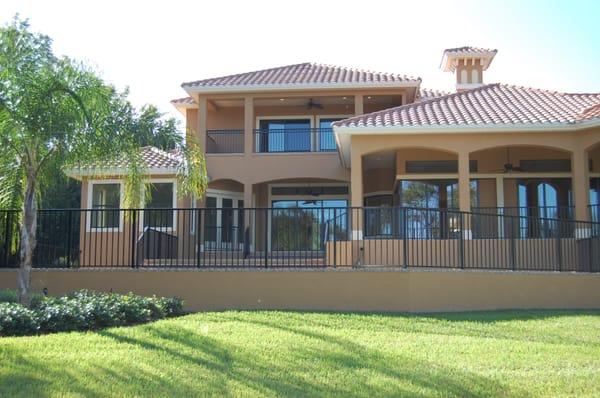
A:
x: 225, y: 141
x: 294, y: 140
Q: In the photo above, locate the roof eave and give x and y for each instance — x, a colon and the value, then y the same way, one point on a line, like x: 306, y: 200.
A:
x: 342, y: 134
x: 191, y: 89
x: 78, y: 174
x: 468, y: 128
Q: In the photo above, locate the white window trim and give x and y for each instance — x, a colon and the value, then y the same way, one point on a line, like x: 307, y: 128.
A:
x: 215, y: 192
x: 174, y: 206
x: 220, y: 195
x: 90, y: 193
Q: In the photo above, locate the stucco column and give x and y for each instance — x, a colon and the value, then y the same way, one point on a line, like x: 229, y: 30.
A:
x: 356, y: 190
x: 202, y: 115
x: 248, y: 215
x: 581, y: 184
x: 464, y: 190
x: 248, y: 126
x: 358, y: 105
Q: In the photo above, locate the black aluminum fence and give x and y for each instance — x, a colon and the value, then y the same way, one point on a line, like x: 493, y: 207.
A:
x: 294, y: 140
x: 225, y: 141
x: 304, y: 237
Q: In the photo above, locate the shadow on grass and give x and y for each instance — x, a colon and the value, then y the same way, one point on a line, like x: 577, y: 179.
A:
x: 274, y: 357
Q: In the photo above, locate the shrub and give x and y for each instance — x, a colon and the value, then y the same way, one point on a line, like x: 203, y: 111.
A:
x: 88, y: 310
x: 172, y: 306
x: 16, y: 320
x: 8, y: 296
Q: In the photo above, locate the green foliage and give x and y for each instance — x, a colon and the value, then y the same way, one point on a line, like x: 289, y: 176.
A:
x: 83, y: 310
x: 8, y: 296
x: 16, y: 320
x: 58, y: 114
x: 310, y: 354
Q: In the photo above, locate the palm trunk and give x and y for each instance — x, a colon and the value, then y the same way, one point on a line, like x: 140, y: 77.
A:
x: 28, y: 240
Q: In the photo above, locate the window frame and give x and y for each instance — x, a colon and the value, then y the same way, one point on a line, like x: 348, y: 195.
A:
x: 172, y: 181
x: 90, y: 195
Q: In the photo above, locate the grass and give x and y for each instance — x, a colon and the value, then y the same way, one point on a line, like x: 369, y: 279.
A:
x: 520, y: 354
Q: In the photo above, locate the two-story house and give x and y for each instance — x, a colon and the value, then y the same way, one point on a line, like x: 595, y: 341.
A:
x: 302, y: 154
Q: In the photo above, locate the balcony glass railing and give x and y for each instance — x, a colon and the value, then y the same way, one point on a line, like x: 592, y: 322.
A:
x: 294, y: 140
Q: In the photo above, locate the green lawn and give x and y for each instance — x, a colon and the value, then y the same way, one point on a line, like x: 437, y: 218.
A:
x: 521, y: 354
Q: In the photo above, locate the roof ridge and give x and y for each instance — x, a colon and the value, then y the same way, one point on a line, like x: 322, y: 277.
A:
x: 404, y: 76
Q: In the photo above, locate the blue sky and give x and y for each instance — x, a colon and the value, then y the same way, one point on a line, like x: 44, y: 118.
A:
x: 152, y: 47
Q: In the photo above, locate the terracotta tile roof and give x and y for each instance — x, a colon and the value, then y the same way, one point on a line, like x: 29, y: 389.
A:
x: 489, y: 105
x: 303, y: 74
x: 153, y: 158
x: 183, y: 101
x: 427, y: 94
x: 469, y: 49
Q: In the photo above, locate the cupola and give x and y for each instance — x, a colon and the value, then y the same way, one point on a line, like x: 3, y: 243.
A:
x: 468, y: 63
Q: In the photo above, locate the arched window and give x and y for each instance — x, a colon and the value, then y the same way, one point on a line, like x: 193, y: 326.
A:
x: 463, y: 76
x: 475, y: 76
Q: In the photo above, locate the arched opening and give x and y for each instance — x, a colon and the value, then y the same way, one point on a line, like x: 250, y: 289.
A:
x: 414, y: 187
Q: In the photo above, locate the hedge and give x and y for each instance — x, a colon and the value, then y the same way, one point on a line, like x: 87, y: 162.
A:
x: 82, y: 310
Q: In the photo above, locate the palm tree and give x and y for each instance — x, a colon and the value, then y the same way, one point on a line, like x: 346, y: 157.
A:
x: 55, y: 113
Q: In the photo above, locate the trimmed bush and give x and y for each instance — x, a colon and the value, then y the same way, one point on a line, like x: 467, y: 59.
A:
x: 16, y: 320
x: 85, y: 310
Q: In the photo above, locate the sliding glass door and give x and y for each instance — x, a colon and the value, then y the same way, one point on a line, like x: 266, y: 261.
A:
x: 286, y: 135
x: 300, y: 225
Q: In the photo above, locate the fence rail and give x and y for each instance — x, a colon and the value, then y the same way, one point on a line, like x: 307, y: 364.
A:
x: 294, y: 140
x: 304, y: 237
x: 225, y: 141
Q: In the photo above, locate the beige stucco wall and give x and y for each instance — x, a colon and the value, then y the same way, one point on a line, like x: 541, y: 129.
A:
x: 336, y: 290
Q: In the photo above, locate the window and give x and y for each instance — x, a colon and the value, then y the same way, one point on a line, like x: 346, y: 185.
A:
x: 105, y: 197
x: 546, y: 165
x: 326, y: 138
x: 475, y: 76
x: 300, y: 224
x: 160, y: 213
x: 310, y: 191
x: 378, y: 215
x: 436, y: 166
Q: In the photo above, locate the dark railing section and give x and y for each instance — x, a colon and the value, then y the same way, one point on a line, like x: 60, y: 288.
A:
x: 304, y: 237
x: 225, y: 141
x: 294, y: 140
x: 595, y: 213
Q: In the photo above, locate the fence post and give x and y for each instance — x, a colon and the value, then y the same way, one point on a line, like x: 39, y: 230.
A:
x: 461, y: 240
x: 404, y: 223
x: 334, y: 238
x: 512, y: 249
x: 69, y: 239
x: 266, y: 237
x: 133, y: 237
x: 198, y: 236
x: 559, y: 230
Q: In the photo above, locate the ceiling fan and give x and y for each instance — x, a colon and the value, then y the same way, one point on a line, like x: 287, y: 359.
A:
x: 508, y: 166
x: 312, y: 104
